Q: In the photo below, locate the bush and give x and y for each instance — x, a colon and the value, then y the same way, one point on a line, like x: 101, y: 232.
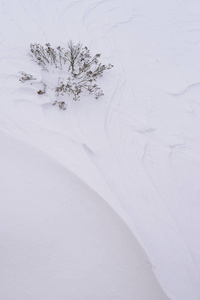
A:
x: 76, y: 70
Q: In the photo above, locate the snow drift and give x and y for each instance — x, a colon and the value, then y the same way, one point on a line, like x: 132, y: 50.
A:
x: 84, y: 192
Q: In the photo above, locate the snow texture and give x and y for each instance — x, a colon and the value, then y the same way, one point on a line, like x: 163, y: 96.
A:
x: 101, y: 201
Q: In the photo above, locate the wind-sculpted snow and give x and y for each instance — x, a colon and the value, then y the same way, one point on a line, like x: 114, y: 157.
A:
x: 60, y: 239
x: 137, y: 148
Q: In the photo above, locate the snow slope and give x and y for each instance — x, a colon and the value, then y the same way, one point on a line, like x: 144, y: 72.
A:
x: 59, y: 239
x: 133, y: 155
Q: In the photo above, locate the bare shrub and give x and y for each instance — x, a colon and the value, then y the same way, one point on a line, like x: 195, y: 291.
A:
x: 81, y: 70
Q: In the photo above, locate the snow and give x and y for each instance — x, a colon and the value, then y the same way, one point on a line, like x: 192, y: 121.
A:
x: 101, y: 201
x: 59, y: 239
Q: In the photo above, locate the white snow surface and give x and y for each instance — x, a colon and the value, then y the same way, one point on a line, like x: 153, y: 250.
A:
x: 102, y: 201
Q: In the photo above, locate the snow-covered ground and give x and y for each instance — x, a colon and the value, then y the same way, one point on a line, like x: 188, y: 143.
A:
x: 102, y: 201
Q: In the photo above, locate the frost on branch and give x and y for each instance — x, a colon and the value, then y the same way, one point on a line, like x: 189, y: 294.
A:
x: 76, y: 69
x: 25, y: 77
